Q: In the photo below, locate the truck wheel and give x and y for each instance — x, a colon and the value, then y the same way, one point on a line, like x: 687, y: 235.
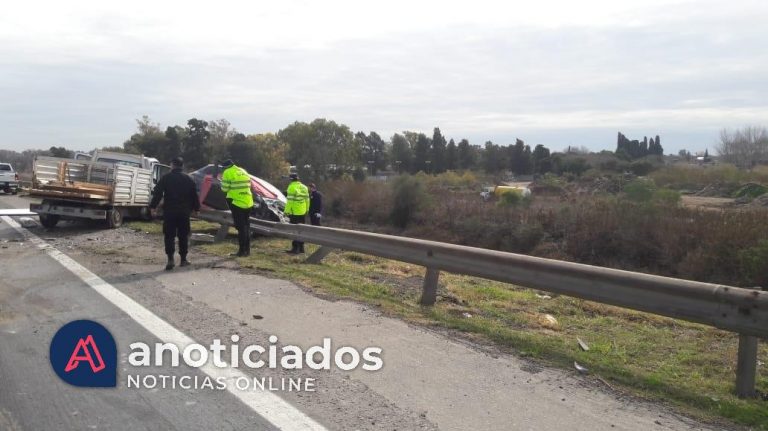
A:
x: 114, y: 218
x: 49, y: 220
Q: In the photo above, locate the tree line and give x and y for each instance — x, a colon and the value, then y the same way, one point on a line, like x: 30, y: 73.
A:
x: 744, y: 148
x: 22, y: 161
x: 324, y: 149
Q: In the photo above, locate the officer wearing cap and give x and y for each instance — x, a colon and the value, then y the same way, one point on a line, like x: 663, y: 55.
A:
x: 296, y: 208
x: 236, y: 183
x: 179, y: 195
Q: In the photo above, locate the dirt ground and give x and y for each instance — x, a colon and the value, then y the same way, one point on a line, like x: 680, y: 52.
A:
x: 706, y: 202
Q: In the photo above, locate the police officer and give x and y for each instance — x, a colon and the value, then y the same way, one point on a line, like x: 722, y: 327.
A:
x: 236, y: 183
x: 296, y: 208
x: 179, y: 195
x: 315, y: 205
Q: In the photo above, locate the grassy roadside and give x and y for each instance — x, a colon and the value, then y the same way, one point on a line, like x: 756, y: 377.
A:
x: 689, y: 365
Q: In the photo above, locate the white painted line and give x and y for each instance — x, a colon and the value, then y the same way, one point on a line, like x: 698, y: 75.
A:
x: 266, y: 404
x: 17, y: 212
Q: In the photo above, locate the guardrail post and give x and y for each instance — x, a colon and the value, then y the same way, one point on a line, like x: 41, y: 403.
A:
x: 222, y: 233
x: 319, y: 254
x: 429, y: 291
x: 746, y: 366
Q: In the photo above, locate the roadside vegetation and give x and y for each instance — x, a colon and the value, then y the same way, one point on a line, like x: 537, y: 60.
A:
x: 692, y: 366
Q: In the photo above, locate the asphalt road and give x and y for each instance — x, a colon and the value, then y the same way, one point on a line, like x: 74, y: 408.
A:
x: 114, y: 277
x: 37, y: 297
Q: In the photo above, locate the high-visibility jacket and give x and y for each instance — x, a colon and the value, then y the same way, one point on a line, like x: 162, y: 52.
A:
x: 236, y: 183
x: 298, y: 199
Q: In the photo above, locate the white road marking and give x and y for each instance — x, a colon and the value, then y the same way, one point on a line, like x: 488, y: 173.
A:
x: 17, y: 212
x: 266, y: 404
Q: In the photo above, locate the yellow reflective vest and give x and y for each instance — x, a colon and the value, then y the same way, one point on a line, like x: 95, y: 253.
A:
x: 236, y: 183
x: 298, y: 199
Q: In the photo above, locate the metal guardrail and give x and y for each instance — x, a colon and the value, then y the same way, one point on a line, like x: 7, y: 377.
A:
x: 739, y: 310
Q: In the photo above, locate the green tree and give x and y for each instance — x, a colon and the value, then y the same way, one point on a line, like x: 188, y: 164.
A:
x: 540, y: 159
x: 195, y: 143
x: 493, y: 157
x: 171, y: 147
x: 262, y: 155
x: 321, y: 148
x: 520, y: 158
x: 400, y: 154
x: 373, y: 151
x: 149, y: 140
x: 438, y: 152
x: 221, y: 136
x: 421, y: 154
x: 60, y: 152
x: 466, y: 155
x: 451, y: 156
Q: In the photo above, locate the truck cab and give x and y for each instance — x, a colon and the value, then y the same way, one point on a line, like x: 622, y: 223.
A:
x: 9, y: 179
x: 133, y: 160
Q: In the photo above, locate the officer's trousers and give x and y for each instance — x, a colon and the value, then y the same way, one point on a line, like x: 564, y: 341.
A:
x: 241, y: 218
x: 176, y: 224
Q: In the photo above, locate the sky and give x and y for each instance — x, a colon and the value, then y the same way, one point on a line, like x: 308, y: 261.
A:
x: 559, y: 73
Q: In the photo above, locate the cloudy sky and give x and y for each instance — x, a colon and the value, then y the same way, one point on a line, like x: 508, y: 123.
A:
x: 550, y: 72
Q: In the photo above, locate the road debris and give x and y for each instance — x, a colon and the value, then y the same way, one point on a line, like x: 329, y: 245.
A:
x: 582, y: 344
x: 602, y: 380
x: 467, y: 315
x: 202, y: 237
x: 28, y: 222
x: 579, y: 368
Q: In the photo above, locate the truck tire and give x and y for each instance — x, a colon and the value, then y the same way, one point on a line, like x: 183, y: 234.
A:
x: 49, y: 221
x: 114, y: 218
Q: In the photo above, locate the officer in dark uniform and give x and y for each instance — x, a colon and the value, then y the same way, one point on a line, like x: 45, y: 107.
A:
x: 179, y: 195
x: 315, y: 205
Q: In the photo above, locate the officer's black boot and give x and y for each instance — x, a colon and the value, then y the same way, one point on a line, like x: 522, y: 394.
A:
x: 294, y: 248
x: 184, y: 261
x: 169, y: 266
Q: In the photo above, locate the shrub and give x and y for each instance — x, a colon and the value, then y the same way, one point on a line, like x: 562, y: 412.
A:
x: 337, y: 206
x: 751, y: 191
x: 697, y: 177
x: 640, y: 190
x: 754, y: 264
x: 522, y: 238
x: 641, y: 167
x: 510, y: 198
x: 358, y: 174
x: 666, y: 197
x: 408, y: 196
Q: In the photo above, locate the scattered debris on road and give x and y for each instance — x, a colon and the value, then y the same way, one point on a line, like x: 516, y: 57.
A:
x: 582, y: 344
x: 202, y: 237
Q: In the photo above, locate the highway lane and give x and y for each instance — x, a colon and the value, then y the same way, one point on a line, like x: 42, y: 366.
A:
x: 39, y: 293
x: 37, y: 297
